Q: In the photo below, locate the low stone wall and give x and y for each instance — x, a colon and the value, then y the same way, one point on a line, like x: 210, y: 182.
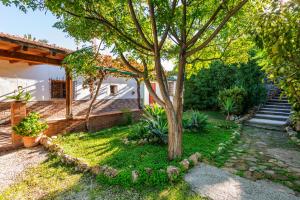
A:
x: 105, y: 120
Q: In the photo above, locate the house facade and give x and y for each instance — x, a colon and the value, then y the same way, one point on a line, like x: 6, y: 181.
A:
x: 36, y: 68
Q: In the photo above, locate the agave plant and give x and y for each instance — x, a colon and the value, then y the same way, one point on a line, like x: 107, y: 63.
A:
x: 196, y: 122
x: 228, y: 107
x: 155, y: 121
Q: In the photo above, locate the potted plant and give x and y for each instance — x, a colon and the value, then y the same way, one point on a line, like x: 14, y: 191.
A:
x: 30, y: 128
x: 21, y: 96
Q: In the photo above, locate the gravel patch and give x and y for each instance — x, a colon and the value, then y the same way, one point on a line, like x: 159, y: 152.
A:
x: 14, y: 163
x: 217, y: 184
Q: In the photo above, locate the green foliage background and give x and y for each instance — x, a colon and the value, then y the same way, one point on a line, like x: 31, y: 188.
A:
x: 202, y: 89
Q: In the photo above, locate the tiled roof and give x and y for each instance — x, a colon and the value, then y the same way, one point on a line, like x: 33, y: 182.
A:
x: 31, y: 42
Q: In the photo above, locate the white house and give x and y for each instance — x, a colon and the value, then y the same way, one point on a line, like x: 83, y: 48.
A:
x: 148, y: 99
x: 35, y: 67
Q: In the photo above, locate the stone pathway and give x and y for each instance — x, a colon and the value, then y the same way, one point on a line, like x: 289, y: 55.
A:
x: 265, y: 154
x: 13, y: 163
x: 217, y: 184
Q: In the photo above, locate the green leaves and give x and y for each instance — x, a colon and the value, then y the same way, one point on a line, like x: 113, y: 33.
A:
x: 30, y: 125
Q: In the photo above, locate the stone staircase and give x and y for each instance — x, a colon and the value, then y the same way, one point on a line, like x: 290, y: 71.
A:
x: 273, y: 115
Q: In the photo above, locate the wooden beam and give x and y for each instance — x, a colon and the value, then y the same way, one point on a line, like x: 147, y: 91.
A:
x: 12, y: 55
x: 69, y: 96
x: 13, y: 61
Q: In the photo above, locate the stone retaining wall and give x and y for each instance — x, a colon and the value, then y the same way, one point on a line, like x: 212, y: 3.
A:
x: 105, y: 120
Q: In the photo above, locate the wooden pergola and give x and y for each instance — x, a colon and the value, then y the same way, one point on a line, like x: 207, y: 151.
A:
x: 17, y: 49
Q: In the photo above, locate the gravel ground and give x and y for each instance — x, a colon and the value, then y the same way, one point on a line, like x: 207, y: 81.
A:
x: 15, y: 162
x: 217, y: 184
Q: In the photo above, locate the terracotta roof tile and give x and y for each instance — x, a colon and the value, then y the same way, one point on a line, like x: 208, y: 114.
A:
x: 36, y: 43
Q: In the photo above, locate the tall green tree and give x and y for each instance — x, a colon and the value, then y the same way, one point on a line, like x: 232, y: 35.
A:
x: 148, y: 31
x: 278, y: 35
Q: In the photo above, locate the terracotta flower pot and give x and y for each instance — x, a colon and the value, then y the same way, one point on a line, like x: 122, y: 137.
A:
x: 31, y: 141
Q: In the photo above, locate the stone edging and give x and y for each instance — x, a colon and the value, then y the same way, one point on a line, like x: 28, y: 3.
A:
x: 251, y: 112
x: 223, y: 146
x: 292, y: 135
x: 111, y: 172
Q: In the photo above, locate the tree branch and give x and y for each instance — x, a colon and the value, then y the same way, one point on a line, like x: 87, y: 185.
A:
x: 137, y: 24
x: 218, y: 29
x: 194, y: 39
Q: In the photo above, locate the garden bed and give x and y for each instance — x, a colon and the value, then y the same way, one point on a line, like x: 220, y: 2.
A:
x: 106, y: 148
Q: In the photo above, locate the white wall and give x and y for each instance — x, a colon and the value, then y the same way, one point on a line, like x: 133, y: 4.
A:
x: 33, y: 78
x: 146, y: 93
x: 126, y: 89
x: 36, y: 80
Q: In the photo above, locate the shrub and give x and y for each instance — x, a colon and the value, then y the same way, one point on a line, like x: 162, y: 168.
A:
x: 228, y: 107
x: 21, y: 95
x: 196, y: 122
x: 139, y: 132
x: 127, y: 116
x: 202, y: 89
x: 238, y: 96
x: 30, y: 126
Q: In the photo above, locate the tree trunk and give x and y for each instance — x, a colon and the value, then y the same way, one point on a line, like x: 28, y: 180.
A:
x: 87, y: 116
x: 138, y: 86
x: 174, y: 134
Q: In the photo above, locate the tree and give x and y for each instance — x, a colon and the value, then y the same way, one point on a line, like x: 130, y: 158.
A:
x: 149, y: 31
x: 93, y: 67
x: 277, y: 33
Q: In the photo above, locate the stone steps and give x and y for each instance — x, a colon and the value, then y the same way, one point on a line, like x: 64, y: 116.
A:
x: 273, y: 115
x: 270, y: 112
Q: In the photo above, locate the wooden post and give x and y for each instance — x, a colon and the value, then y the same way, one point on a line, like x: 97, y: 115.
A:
x: 69, y: 96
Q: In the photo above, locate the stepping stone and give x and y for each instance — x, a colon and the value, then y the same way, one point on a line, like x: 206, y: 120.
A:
x: 217, y: 184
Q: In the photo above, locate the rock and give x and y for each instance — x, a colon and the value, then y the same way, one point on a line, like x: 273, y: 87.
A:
x: 252, y: 169
x: 242, y: 166
x: 141, y: 142
x: 54, y: 137
x: 96, y: 170
x: 111, y: 172
x: 257, y: 175
x: 229, y: 164
x: 172, y: 172
x: 84, y: 167
x: 248, y: 175
x: 103, y: 168
x: 185, y: 164
x: 194, y: 158
x: 148, y: 170
x: 272, y: 161
x: 134, y: 176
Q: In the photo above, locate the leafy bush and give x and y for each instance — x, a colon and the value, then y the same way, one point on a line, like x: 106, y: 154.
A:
x: 202, y: 89
x: 238, y: 96
x: 228, y: 107
x: 139, y: 132
x: 21, y: 95
x: 156, y: 123
x: 127, y: 116
x: 196, y: 122
x: 30, y: 126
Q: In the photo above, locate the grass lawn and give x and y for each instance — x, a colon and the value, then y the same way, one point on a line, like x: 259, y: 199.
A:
x: 55, y: 180
x: 106, y: 148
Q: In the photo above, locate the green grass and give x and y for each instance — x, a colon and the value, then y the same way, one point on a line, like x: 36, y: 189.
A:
x: 106, y: 148
x: 54, y: 180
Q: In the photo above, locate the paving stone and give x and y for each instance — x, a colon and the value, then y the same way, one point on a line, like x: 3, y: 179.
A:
x: 217, y: 184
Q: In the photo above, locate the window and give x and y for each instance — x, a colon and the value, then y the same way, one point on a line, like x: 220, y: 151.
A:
x: 113, y: 90
x: 58, y: 89
x: 171, y: 86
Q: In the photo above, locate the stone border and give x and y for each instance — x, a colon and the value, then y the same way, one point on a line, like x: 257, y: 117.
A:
x: 251, y: 112
x: 172, y: 171
x: 223, y: 146
x: 292, y: 135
